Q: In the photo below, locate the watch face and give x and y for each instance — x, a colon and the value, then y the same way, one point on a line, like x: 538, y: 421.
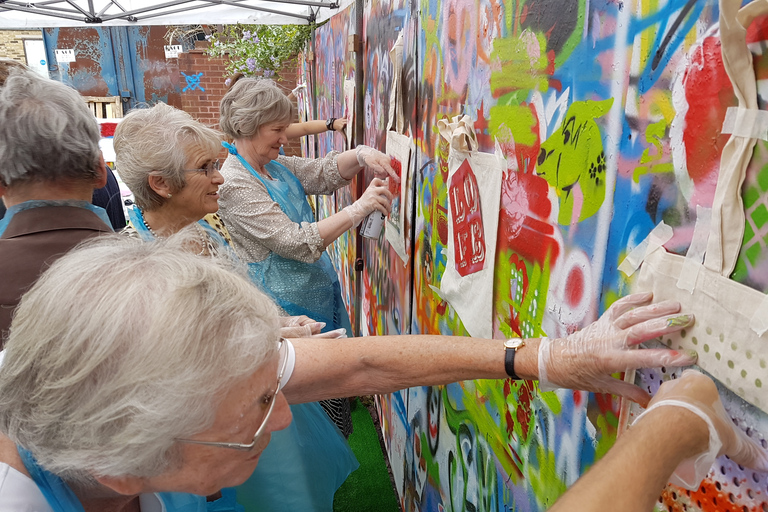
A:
x: 514, y: 343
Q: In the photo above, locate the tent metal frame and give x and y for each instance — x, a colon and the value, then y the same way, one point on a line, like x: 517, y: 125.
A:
x: 75, y: 12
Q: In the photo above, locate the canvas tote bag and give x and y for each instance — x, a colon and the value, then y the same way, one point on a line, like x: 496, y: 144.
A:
x: 474, y: 195
x: 400, y: 149
x: 731, y: 318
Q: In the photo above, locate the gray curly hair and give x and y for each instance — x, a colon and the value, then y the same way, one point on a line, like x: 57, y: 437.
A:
x: 128, y: 362
x: 47, y: 133
x: 157, y: 140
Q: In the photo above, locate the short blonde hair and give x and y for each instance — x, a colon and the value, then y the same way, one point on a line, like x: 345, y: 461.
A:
x: 250, y: 104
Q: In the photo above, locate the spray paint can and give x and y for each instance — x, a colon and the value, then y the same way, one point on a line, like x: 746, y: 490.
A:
x: 372, y: 224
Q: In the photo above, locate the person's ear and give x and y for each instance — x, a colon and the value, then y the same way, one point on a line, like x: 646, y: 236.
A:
x: 159, y: 185
x: 101, y: 172
x: 126, y: 485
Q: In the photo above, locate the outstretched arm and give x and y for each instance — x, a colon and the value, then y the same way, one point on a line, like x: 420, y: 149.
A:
x: 382, y: 364
x: 584, y: 360
x: 296, y: 130
x: 639, y: 464
x: 685, y: 420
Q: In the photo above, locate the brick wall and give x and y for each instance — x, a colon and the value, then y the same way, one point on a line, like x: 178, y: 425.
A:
x: 201, y: 100
x: 12, y: 44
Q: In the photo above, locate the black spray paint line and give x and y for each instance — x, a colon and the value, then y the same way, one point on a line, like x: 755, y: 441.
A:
x: 675, y: 25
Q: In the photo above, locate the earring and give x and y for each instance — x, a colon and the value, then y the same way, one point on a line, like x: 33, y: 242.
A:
x: 169, y: 196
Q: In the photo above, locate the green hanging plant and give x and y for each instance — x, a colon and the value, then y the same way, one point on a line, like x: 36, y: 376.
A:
x: 259, y: 50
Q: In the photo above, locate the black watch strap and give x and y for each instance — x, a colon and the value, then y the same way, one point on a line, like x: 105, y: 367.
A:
x: 329, y: 123
x: 510, y: 349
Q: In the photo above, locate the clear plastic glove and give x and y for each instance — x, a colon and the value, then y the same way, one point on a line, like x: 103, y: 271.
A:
x: 299, y: 327
x: 697, y: 393
x: 336, y: 333
x: 586, y: 359
x: 376, y: 161
x: 376, y: 197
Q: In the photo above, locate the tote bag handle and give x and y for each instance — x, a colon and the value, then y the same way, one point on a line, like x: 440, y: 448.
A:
x: 459, y: 132
x: 727, y: 224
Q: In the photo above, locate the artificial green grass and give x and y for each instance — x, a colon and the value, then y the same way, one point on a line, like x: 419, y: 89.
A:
x: 369, y: 488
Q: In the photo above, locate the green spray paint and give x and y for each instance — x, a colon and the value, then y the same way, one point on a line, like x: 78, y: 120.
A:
x: 517, y: 121
x: 520, y: 67
x: 654, y: 134
x: 679, y: 321
x: 573, y: 157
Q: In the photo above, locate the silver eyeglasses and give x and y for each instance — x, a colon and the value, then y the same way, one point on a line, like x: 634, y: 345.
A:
x: 271, y: 400
x: 208, y: 169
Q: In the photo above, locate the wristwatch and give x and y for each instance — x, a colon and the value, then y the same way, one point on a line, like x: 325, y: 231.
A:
x: 510, y: 349
x: 329, y: 123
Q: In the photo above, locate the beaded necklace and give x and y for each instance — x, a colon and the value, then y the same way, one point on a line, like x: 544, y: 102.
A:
x: 203, y: 241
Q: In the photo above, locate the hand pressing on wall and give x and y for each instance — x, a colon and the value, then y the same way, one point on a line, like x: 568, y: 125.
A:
x: 676, y: 439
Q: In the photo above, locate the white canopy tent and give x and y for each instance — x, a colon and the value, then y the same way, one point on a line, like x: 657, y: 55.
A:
x: 17, y: 14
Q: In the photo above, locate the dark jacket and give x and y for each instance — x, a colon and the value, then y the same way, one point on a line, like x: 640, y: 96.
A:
x: 109, y: 198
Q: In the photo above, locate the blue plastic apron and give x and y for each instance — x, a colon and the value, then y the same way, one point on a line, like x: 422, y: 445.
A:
x: 299, y: 288
x: 28, y: 205
x: 61, y: 498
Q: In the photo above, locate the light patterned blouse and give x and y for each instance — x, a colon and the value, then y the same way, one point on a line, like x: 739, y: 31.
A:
x: 257, y: 224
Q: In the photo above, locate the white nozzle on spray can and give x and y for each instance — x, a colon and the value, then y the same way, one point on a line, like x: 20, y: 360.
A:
x: 372, y: 224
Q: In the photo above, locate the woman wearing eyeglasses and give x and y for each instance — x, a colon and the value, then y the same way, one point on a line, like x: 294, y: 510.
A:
x: 174, y: 176
x: 168, y: 160
x: 264, y: 204
x: 136, y: 395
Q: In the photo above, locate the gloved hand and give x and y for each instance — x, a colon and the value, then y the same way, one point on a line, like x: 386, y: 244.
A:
x: 299, y: 327
x: 336, y: 333
x: 376, y: 161
x: 376, y: 197
x: 698, y: 394
x: 586, y: 359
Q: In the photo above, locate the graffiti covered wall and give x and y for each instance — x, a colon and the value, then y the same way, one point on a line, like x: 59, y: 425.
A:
x: 609, y: 116
x: 333, y: 65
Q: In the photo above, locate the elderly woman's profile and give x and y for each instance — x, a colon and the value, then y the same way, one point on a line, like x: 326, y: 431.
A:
x: 133, y: 394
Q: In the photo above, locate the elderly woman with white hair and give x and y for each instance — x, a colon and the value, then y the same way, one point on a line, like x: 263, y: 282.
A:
x: 50, y: 166
x: 135, y: 395
x: 169, y: 161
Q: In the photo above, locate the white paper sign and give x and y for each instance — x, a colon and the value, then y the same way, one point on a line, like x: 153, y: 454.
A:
x: 64, y: 55
x: 172, y: 51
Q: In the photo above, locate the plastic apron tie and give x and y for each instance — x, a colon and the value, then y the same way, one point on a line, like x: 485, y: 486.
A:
x: 56, y: 492
x: 299, y: 288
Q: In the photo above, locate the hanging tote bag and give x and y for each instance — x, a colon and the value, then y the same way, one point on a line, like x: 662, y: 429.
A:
x: 399, y: 149
x: 731, y: 318
x: 474, y: 184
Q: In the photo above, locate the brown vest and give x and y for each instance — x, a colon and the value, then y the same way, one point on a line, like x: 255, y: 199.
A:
x: 33, y: 240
